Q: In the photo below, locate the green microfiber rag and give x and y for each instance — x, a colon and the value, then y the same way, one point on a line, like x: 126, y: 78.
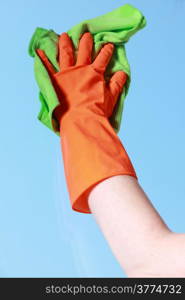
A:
x: 116, y: 27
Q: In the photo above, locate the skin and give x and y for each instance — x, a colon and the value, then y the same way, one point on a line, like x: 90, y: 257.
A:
x: 139, y: 238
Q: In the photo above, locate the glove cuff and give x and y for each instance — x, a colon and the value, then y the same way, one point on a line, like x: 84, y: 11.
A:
x: 92, y: 152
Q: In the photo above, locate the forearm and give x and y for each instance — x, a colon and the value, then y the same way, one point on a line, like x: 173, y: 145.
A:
x: 102, y: 180
x: 128, y: 220
x: 99, y: 173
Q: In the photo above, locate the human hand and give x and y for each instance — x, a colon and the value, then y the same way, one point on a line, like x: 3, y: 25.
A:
x: 81, y: 84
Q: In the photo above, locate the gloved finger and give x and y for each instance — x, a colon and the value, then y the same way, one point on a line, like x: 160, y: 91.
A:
x: 101, y: 61
x: 66, y: 53
x: 46, y: 61
x: 85, y: 49
x: 117, y: 83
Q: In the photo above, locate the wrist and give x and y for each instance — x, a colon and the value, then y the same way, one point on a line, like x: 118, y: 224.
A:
x: 85, y: 116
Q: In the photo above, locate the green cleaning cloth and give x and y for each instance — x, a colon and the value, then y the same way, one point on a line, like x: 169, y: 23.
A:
x: 115, y: 27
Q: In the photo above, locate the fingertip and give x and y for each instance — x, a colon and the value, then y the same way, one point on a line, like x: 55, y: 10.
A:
x: 64, y: 37
x: 39, y: 51
x: 63, y: 34
x: 41, y: 54
x: 85, y: 49
x: 104, y: 56
x: 66, y: 55
x: 87, y: 35
x: 109, y: 46
x: 45, y: 61
x: 87, y: 38
x: 108, y: 49
x: 117, y: 82
x: 121, y: 77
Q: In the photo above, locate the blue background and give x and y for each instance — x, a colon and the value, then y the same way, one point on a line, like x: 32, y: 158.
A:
x: 40, y: 236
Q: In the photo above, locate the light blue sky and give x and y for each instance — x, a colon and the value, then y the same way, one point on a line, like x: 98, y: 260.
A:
x: 40, y: 235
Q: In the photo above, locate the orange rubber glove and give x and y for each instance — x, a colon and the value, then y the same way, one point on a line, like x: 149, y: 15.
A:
x: 91, y: 149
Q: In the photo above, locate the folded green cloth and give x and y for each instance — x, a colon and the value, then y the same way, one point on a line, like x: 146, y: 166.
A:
x: 116, y: 27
